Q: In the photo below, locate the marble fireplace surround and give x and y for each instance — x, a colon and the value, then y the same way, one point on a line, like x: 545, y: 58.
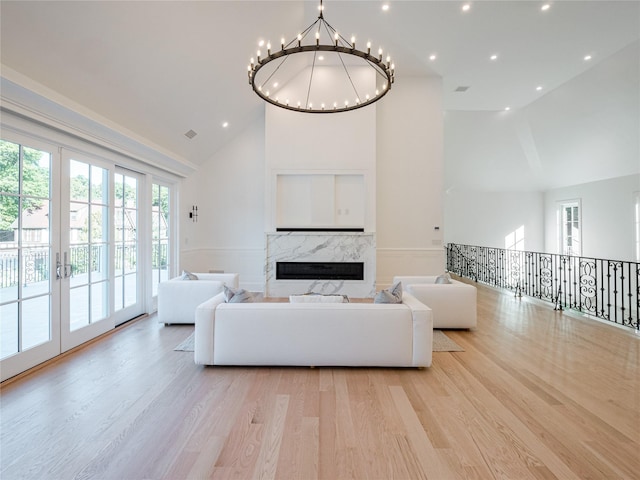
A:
x: 320, y: 247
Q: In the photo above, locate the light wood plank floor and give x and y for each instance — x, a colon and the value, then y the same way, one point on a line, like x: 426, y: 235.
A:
x: 537, y: 394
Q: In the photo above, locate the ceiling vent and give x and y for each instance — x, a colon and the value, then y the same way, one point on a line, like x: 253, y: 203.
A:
x: 190, y: 134
x: 462, y: 89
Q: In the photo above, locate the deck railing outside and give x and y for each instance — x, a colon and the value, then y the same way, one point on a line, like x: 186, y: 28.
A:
x: 606, y: 289
x: 35, y: 261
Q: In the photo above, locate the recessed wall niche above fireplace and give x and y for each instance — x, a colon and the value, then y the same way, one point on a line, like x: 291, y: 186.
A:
x: 320, y: 201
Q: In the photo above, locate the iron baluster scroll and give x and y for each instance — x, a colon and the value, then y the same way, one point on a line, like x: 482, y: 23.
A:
x: 601, y: 288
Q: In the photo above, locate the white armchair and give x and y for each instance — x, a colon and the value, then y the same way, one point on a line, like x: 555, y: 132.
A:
x: 178, y: 298
x: 453, y: 304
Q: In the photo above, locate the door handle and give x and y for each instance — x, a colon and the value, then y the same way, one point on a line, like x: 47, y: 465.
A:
x: 58, y: 267
x: 68, y: 268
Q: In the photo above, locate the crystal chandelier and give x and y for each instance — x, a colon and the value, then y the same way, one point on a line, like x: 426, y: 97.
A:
x: 325, y: 75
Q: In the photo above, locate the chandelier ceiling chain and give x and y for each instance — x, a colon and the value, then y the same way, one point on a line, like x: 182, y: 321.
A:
x: 341, y: 47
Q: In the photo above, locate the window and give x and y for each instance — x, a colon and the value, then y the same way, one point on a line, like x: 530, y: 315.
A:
x: 569, y: 217
x: 160, y: 202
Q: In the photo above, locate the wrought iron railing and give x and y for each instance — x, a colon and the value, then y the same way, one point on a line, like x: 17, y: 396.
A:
x: 606, y: 289
x: 35, y: 266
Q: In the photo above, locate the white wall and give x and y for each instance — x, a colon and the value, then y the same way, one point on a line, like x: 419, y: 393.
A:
x: 475, y: 217
x: 499, y: 164
x: 398, y: 144
x: 336, y: 143
x: 410, y: 179
x: 229, y: 192
x: 608, y: 217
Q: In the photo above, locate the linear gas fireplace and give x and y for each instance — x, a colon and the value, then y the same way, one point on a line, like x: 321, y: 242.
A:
x: 319, y: 270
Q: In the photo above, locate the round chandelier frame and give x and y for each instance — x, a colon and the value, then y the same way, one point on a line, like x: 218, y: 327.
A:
x: 340, y: 46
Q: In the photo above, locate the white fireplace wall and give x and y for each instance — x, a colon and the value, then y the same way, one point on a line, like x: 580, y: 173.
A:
x: 317, y: 144
x: 230, y: 189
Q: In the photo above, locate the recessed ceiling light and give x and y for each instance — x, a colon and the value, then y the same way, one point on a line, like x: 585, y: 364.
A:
x: 225, y: 124
x: 545, y: 7
x: 587, y: 58
x: 385, y: 7
x: 539, y: 87
x: 432, y: 57
x: 494, y: 57
x: 466, y: 7
x: 507, y: 109
x: 275, y: 84
x: 321, y: 57
x: 261, y: 43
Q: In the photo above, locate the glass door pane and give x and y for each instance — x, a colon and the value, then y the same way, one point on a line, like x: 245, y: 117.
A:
x: 87, y: 262
x: 127, y: 271
x: 28, y: 327
x: 160, y: 235
x: 126, y: 225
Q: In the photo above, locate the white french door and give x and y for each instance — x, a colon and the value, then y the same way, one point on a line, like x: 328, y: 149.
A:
x: 128, y: 264
x: 70, y: 245
x: 29, y: 241
x: 85, y: 249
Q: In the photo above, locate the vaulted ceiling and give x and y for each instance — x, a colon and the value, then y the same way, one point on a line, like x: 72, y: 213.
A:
x: 162, y: 68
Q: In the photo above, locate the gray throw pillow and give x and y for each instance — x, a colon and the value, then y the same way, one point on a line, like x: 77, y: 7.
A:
x: 239, y: 295
x: 392, y: 294
x: 444, y: 278
x: 188, y: 275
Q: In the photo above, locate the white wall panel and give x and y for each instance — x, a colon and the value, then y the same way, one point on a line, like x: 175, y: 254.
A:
x: 410, y: 165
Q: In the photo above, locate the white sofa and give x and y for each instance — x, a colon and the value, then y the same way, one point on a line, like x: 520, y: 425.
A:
x: 178, y: 298
x: 453, y: 304
x: 314, y: 334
